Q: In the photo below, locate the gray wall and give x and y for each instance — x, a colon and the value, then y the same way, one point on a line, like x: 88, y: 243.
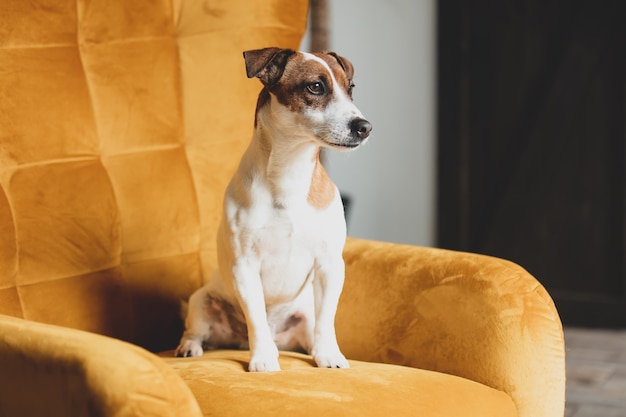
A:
x: 391, y: 180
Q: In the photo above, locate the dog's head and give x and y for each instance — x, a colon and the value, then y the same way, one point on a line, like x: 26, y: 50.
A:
x: 312, y: 92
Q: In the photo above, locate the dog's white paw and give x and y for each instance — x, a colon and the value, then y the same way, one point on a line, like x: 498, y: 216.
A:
x: 331, y: 360
x: 264, y: 364
x: 264, y: 360
x: 189, y: 347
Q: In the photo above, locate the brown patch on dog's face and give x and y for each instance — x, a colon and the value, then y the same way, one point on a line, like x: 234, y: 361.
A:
x: 308, y: 85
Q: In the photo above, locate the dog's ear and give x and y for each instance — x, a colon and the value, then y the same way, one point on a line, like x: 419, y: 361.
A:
x: 347, y: 66
x: 267, y: 64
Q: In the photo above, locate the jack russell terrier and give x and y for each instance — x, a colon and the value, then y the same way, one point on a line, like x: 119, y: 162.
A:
x: 283, y: 230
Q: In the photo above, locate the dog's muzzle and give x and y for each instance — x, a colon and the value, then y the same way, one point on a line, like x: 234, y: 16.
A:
x: 359, y: 129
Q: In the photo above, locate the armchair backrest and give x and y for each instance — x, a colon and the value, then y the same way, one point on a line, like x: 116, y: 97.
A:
x: 120, y: 125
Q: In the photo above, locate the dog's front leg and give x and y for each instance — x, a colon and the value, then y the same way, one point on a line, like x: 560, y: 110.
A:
x: 249, y: 291
x: 327, y: 285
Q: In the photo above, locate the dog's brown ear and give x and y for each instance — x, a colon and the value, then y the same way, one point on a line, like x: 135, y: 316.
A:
x: 267, y: 64
x: 345, y: 64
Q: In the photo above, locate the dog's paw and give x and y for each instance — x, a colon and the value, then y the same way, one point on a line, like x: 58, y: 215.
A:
x: 260, y: 365
x: 267, y: 362
x: 331, y: 360
x: 188, y: 348
x: 264, y: 358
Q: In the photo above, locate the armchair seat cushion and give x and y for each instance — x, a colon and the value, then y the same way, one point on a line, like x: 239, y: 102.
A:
x: 222, y: 386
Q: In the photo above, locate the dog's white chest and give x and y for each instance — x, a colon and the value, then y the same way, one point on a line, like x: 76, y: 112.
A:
x: 287, y: 259
x: 287, y: 244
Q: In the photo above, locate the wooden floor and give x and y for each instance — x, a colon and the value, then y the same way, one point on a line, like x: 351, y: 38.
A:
x: 596, y: 373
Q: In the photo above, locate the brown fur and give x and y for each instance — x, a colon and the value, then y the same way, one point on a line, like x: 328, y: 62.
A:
x: 294, y: 96
x: 322, y: 190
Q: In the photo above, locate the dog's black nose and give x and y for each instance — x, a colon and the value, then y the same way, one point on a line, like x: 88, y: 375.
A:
x: 361, y: 128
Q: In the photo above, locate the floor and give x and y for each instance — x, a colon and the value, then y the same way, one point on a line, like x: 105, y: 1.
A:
x: 596, y: 373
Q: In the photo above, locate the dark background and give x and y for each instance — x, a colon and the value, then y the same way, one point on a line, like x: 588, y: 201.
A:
x: 531, y: 140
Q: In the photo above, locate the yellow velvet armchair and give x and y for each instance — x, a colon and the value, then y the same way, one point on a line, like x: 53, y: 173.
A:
x: 120, y: 124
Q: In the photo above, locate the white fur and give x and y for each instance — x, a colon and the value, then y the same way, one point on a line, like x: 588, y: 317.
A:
x: 280, y: 258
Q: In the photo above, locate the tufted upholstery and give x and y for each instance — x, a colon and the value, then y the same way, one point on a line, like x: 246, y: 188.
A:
x: 120, y: 125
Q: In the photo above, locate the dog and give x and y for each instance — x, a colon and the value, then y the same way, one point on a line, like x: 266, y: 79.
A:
x: 280, y: 242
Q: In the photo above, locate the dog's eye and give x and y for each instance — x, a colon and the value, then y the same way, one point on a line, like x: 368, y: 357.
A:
x: 316, y: 88
x: 350, y: 87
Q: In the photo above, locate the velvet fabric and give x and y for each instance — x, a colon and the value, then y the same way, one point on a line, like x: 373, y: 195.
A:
x: 470, y: 315
x: 220, y: 383
x: 48, y: 370
x: 120, y: 125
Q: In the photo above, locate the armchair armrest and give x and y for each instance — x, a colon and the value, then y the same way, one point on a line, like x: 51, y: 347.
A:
x: 474, y: 316
x: 48, y: 370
